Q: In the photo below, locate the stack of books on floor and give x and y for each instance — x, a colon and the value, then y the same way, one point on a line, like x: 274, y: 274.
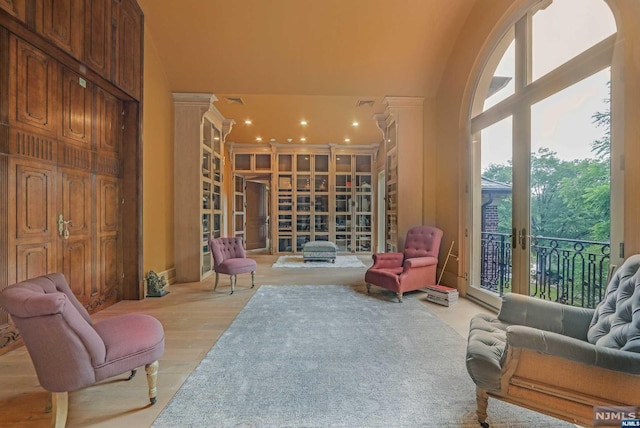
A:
x: 445, y: 296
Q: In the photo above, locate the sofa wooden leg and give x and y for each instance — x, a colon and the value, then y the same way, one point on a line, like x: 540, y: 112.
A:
x: 217, y: 279
x: 152, y: 380
x: 253, y: 279
x: 368, y: 288
x: 60, y: 404
x: 399, y: 295
x: 233, y: 283
x: 482, y: 400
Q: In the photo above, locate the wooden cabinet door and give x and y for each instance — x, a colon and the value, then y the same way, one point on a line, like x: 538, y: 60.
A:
x: 33, y: 88
x: 32, y: 247
x: 107, y: 123
x: 109, y: 244
x: 76, y: 100
x: 61, y: 21
x: 128, y: 37
x: 16, y: 8
x: 97, y: 39
x: 76, y: 251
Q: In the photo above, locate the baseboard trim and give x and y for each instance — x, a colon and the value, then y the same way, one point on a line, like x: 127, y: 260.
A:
x: 169, y: 275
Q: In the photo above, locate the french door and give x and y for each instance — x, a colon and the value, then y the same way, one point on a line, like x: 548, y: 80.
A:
x: 542, y: 217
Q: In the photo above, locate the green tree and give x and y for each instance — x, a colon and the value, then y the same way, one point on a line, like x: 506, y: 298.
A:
x: 602, y: 119
x: 569, y: 199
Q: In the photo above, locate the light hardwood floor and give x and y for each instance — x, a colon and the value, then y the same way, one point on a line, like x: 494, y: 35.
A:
x: 193, y: 317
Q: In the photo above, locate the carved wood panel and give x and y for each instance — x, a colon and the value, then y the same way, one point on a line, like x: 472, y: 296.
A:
x: 128, y: 47
x: 33, y: 88
x: 107, y: 122
x: 34, y: 260
x: 62, y: 22
x: 32, y: 244
x: 16, y: 8
x: 97, y: 41
x: 76, y: 250
x: 76, y: 98
x: 109, y: 253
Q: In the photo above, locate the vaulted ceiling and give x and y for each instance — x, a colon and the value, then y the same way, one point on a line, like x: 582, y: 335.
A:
x: 329, y: 62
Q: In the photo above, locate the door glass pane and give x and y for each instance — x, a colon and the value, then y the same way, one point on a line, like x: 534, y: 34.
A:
x: 343, y: 163
x: 303, y: 163
x: 502, y: 84
x: 494, y: 210
x: 570, y: 197
x: 565, y: 29
x: 285, y: 163
x: 321, y: 163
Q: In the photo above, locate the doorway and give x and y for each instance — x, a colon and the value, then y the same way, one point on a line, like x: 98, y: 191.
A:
x: 257, y: 197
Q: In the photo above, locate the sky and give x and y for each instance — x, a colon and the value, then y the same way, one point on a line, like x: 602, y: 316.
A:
x: 562, y: 122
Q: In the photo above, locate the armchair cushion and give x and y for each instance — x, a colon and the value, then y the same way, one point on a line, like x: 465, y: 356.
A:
x: 564, y: 319
x: 226, y: 248
x: 572, y: 349
x: 236, y: 266
x: 616, y: 320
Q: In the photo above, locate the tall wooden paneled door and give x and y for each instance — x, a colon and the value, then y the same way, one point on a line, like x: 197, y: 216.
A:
x: 70, y: 148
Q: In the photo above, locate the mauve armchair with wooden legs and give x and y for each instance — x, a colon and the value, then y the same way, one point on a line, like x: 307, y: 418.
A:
x: 410, y: 270
x: 229, y: 258
x: 68, y: 350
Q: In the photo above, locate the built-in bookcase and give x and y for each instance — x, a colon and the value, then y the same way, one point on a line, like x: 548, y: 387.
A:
x: 198, y: 182
x: 324, y: 197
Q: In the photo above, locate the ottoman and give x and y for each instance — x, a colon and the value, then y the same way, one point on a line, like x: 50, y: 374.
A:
x: 319, y: 250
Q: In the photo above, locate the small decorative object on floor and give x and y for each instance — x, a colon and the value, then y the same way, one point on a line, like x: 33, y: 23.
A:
x: 445, y: 296
x: 440, y: 294
x: 155, y: 285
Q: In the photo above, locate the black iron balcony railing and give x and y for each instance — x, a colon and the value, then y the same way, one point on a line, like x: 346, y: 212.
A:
x: 568, y: 271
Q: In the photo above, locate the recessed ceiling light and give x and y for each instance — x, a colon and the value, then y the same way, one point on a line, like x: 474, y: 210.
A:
x: 216, y: 138
x: 272, y: 140
x: 303, y: 122
x: 247, y: 122
x: 303, y: 139
x: 258, y: 138
x: 346, y: 140
x: 355, y: 123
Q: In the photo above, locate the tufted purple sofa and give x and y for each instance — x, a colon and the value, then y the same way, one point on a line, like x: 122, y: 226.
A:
x: 68, y: 350
x: 410, y: 270
x: 557, y: 359
x: 229, y: 258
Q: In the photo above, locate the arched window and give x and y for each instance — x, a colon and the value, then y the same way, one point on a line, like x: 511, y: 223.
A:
x: 540, y: 174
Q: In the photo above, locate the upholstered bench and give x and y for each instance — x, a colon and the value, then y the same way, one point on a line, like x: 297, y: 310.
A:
x: 319, y: 250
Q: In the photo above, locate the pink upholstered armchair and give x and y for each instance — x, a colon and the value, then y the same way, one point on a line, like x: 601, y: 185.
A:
x: 68, y: 350
x: 410, y: 270
x: 229, y: 258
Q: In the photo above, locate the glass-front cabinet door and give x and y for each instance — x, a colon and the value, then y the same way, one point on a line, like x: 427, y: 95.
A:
x: 285, y: 203
x: 344, y: 202
x: 353, y: 203
x: 321, y: 229
x: 363, y: 205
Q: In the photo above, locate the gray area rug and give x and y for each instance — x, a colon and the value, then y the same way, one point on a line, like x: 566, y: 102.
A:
x: 331, y: 356
x: 298, y: 262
